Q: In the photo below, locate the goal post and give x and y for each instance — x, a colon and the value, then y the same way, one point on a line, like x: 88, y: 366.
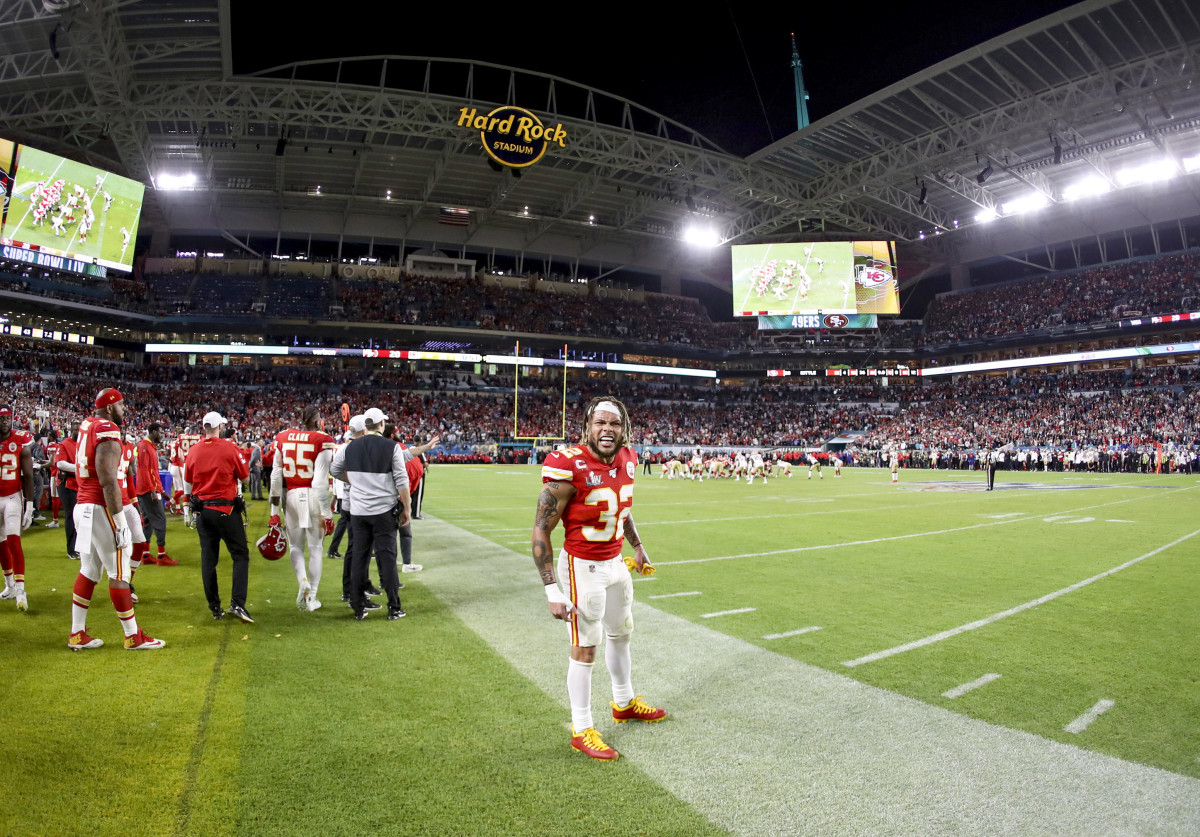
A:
x: 516, y: 434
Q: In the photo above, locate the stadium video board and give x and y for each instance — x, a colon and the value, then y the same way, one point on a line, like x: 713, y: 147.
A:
x: 67, y: 210
x: 830, y: 277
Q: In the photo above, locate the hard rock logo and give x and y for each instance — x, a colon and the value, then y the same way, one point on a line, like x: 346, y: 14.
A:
x: 512, y: 136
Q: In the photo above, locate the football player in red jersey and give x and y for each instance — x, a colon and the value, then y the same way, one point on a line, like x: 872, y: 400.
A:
x: 103, y: 537
x: 150, y: 495
x: 16, y: 506
x: 175, y: 469
x: 590, y: 488
x: 126, y: 479
x: 300, y: 486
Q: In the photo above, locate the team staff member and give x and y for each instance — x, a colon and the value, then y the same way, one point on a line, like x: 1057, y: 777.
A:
x: 590, y: 488
x: 64, y: 460
x: 379, y: 505
x: 104, y: 538
x: 355, y: 428
x: 213, y: 472
x: 16, y: 506
x: 414, y: 463
x: 150, y: 491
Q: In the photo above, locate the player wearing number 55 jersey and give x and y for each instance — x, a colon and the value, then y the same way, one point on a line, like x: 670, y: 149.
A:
x: 302, y: 474
x: 103, y: 537
x: 590, y: 488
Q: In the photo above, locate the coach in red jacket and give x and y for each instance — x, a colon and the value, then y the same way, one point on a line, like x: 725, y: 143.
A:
x: 214, y: 471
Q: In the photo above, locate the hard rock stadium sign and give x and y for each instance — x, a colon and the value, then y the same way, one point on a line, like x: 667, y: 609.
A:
x: 512, y: 136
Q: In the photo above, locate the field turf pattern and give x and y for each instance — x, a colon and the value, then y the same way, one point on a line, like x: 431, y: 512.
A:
x: 313, y: 723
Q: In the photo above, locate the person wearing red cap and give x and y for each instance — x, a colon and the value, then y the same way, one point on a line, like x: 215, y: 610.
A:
x: 103, y: 537
x: 213, y: 472
x: 16, y: 506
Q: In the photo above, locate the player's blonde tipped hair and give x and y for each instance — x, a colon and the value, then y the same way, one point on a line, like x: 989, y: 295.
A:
x: 626, y: 425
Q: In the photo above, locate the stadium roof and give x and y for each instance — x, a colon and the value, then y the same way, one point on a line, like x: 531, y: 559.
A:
x: 373, y: 151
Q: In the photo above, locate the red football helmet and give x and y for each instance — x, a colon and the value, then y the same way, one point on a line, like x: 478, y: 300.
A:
x: 274, y: 544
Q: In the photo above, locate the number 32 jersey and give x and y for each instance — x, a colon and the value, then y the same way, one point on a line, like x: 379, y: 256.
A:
x: 595, y: 517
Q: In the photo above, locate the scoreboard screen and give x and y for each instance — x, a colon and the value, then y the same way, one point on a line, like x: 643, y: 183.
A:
x: 65, y: 212
x: 826, y: 277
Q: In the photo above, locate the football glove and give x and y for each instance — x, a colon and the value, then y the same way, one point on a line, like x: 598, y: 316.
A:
x: 274, y: 521
x: 27, y: 517
x: 124, y: 537
x: 631, y: 562
x: 328, y: 521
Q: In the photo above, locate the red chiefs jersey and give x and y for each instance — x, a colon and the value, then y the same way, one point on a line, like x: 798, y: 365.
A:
x: 10, y: 462
x: 416, y: 471
x: 173, y: 450
x: 125, y: 478
x: 52, y: 458
x: 595, y: 517
x: 185, y: 442
x: 298, y: 450
x: 92, y: 432
x: 67, y: 449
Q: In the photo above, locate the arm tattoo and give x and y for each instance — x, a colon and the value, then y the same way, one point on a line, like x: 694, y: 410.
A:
x: 630, y: 531
x: 547, y: 510
x: 544, y: 561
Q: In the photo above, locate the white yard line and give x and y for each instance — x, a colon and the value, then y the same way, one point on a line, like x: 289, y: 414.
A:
x: 1085, y: 720
x: 715, y: 614
x: 676, y: 595
x: 959, y: 691
x: 760, y: 743
x: 1012, y: 611
x: 796, y: 632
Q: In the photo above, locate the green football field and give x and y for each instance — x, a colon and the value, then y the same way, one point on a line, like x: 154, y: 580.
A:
x: 838, y: 656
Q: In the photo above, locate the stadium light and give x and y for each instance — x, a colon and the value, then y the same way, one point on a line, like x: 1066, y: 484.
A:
x: 1086, y: 188
x: 700, y: 236
x: 1025, y: 204
x: 986, y: 215
x: 1146, y: 173
x: 176, y: 182
x: 1191, y: 164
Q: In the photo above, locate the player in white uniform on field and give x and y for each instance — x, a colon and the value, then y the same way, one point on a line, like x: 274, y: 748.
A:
x: 783, y: 467
x: 756, y: 468
x: 836, y: 462
x: 813, y: 462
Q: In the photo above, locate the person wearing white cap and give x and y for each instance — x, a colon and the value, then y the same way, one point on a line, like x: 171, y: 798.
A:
x: 213, y: 471
x: 341, y: 489
x: 379, y: 505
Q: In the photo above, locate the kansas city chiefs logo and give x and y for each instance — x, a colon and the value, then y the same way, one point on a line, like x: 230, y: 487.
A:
x: 871, y: 276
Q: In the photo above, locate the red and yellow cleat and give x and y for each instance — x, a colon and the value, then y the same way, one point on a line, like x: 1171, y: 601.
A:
x: 80, y: 641
x: 142, y: 642
x: 165, y: 560
x: 637, y: 710
x: 590, y: 743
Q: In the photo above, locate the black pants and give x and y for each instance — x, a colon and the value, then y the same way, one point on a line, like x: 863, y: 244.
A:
x: 343, y: 526
x: 66, y: 496
x: 214, y: 527
x: 991, y: 469
x: 418, y: 497
x: 406, y: 543
x: 155, y: 519
x: 378, y: 532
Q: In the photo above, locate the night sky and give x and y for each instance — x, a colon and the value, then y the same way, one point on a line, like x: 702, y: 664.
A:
x: 725, y: 73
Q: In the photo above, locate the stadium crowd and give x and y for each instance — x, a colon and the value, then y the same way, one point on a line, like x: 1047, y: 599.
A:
x: 1111, y: 410
x: 1165, y: 284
